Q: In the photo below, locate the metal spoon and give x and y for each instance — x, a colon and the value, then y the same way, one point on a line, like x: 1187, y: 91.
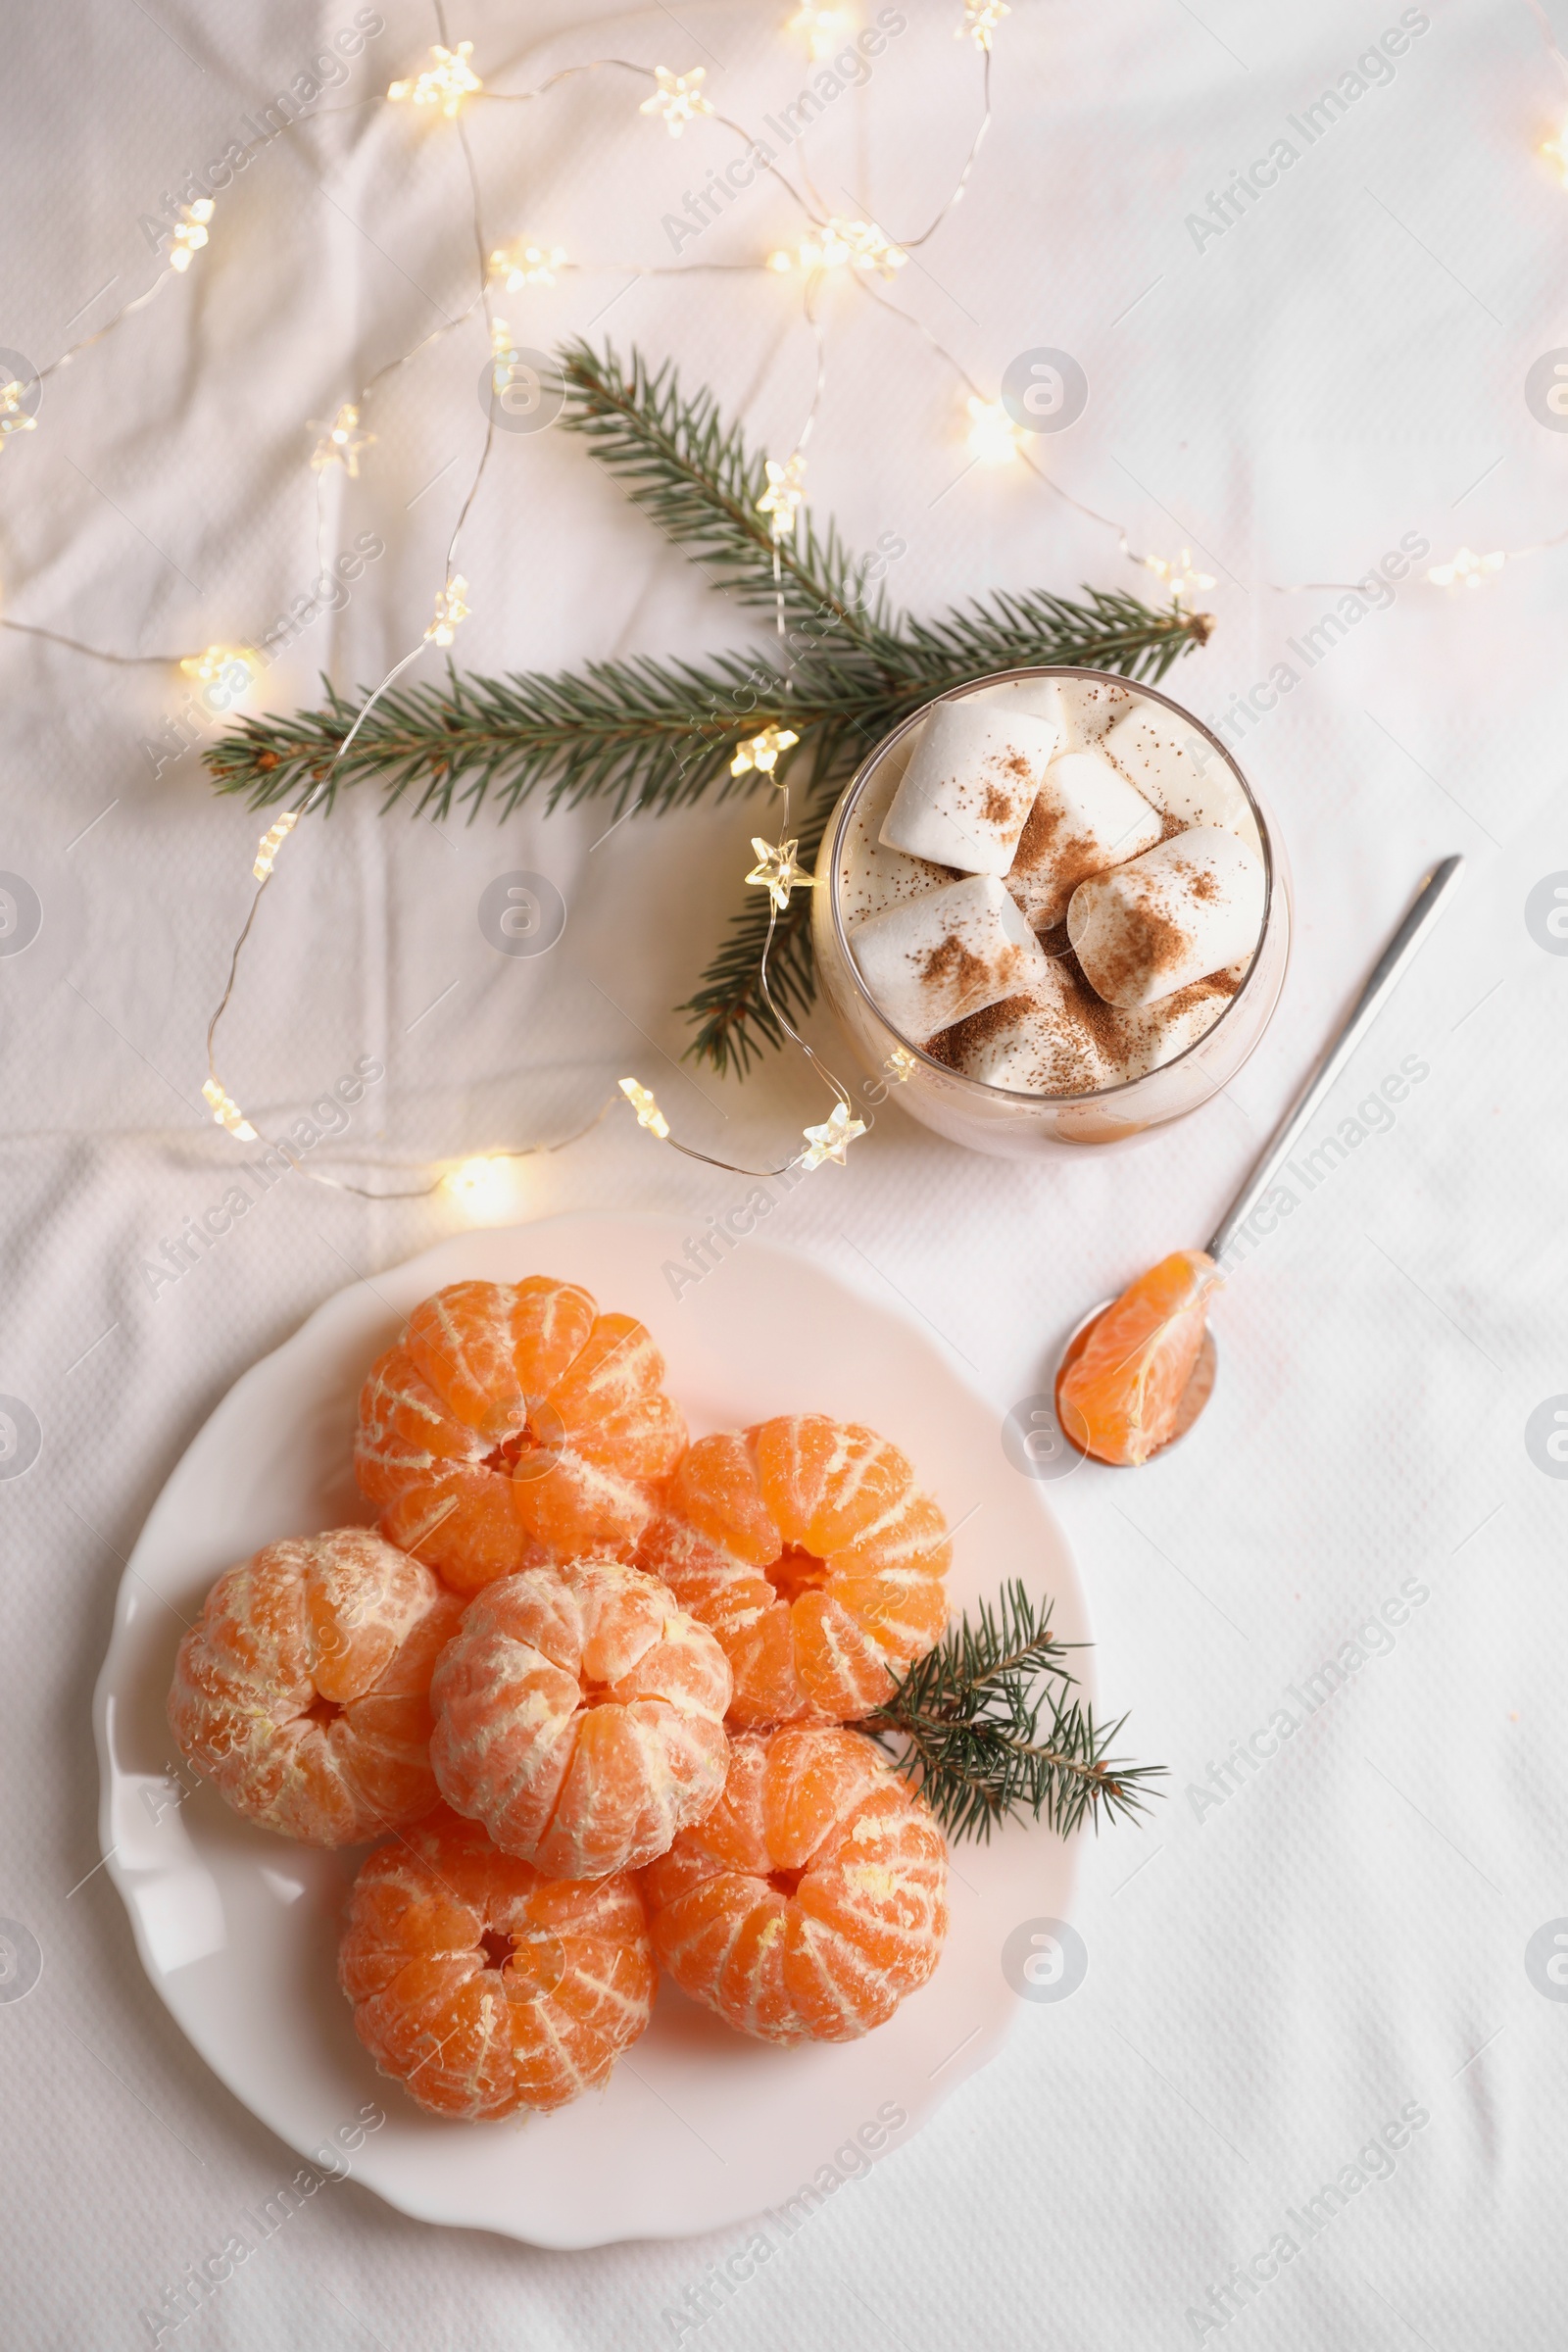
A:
x: 1385, y: 976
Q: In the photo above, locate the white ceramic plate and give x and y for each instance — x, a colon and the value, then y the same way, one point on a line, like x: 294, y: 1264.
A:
x: 237, y: 1929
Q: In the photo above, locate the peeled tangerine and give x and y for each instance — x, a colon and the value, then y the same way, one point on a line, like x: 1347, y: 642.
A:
x: 811, y: 1899
x: 484, y: 1986
x: 806, y: 1546
x: 513, y: 1423
x: 1121, y: 1397
x: 581, y: 1716
x: 302, y: 1689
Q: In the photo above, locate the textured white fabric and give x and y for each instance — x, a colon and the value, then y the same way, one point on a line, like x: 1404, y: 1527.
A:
x: 1271, y: 1978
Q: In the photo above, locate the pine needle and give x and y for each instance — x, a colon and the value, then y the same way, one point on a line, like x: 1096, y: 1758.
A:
x: 988, y: 1725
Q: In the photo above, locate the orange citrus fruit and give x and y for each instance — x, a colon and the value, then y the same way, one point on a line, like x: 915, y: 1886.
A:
x: 483, y: 1986
x: 1120, y: 1397
x: 581, y: 1716
x: 513, y: 1423
x: 806, y: 1546
x: 302, y: 1690
x: 813, y: 1898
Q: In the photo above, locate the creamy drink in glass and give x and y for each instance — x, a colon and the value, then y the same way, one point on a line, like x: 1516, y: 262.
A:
x: 1051, y: 910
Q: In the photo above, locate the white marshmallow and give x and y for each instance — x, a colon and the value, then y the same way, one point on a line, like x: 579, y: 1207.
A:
x: 935, y: 960
x: 969, y: 785
x: 1041, y: 697
x: 1178, y: 769
x: 1086, y: 818
x: 871, y: 878
x: 1079, y: 709
x: 1034, y: 1044
x: 1089, y: 707
x: 1060, y: 1039
x: 1184, y: 909
x: 1167, y: 1028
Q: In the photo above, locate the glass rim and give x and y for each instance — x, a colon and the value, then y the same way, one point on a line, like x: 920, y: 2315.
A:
x: 850, y: 800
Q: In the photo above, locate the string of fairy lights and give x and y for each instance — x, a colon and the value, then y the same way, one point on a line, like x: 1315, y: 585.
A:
x: 829, y: 243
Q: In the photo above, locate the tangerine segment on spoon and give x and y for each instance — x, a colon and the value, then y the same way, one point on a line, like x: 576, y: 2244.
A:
x: 1138, y: 1376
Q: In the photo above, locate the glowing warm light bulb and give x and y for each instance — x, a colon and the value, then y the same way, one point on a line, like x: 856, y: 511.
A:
x: 1466, y: 569
x: 226, y: 1113
x: 483, y: 1188
x: 450, y: 611
x: 341, y: 442
x: 446, y: 83
x: 841, y: 244
x: 761, y: 752
x: 1179, y: 577
x: 993, y: 435
x: 1557, y: 149
x: 230, y: 668
x: 520, y: 263
x: 13, y: 418
x: 649, y: 1114
x: 191, y: 232
x: 832, y: 1140
x: 980, y: 21
x: 778, y: 870
x: 824, y: 27
x: 784, y: 496
x: 677, y: 99
x: 271, y: 842
x: 900, y: 1066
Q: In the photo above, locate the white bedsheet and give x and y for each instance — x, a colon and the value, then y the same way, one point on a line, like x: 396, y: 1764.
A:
x: 1276, y: 1973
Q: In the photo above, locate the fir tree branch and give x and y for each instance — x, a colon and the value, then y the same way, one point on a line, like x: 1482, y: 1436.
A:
x: 986, y: 1726
x: 694, y: 476
x: 655, y: 735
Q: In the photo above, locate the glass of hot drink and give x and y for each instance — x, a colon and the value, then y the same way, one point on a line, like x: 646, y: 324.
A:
x: 1049, y: 910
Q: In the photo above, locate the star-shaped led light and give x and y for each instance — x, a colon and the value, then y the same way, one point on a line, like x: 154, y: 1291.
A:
x: 832, y: 1138
x: 778, y: 870
x: 230, y: 667
x: 521, y: 264
x: 1467, y: 569
x: 824, y: 27
x: 14, y: 418
x: 271, y: 842
x: 1180, y: 577
x: 784, y: 496
x: 1557, y: 149
x: 226, y: 1113
x: 993, y: 436
x: 980, y: 21
x: 446, y: 83
x: 678, y: 98
x: 900, y: 1065
x: 340, y: 443
x: 450, y: 611
x: 649, y: 1114
x: 761, y: 752
x: 191, y: 232
x: 841, y: 244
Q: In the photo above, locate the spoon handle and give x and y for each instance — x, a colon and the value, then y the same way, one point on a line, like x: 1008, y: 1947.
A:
x: 1385, y: 975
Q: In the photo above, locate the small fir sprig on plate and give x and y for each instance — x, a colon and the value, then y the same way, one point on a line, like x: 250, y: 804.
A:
x: 988, y: 1725
x: 654, y: 735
